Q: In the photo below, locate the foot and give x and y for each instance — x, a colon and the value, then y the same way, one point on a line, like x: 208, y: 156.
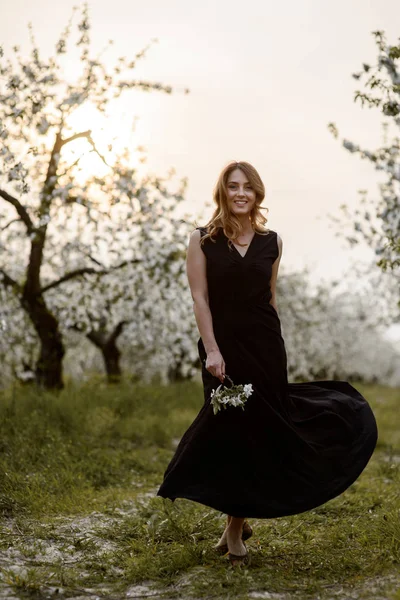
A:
x: 222, y: 540
x: 222, y: 544
x: 235, y: 544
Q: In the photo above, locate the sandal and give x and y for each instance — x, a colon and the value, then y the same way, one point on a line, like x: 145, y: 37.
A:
x: 247, y: 532
x: 243, y: 558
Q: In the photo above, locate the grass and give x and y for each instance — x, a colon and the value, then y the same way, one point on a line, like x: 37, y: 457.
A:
x: 78, y: 475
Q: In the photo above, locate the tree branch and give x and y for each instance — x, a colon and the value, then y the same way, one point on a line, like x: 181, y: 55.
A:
x: 76, y: 136
x: 32, y: 284
x: 21, y: 210
x: 73, y: 199
x: 71, y: 166
x: 71, y: 275
x: 97, y: 338
x: 84, y: 271
x: 9, y: 281
x: 93, y: 259
x: 91, y: 142
x: 88, y: 135
x: 10, y: 223
x: 117, y: 332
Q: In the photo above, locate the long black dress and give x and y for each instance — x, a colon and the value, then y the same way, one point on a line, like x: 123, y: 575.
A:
x: 295, y: 445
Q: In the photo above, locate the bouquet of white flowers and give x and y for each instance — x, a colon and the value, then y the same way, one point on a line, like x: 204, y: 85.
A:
x: 234, y: 396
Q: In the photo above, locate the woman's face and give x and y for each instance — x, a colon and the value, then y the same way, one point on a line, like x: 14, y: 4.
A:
x: 240, y: 195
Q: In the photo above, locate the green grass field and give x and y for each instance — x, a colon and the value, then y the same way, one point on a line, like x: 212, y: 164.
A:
x: 79, y: 471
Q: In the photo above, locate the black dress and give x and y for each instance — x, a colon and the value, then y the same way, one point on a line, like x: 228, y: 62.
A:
x: 295, y: 445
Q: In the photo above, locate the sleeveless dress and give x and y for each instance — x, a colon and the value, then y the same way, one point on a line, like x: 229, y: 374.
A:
x: 295, y: 445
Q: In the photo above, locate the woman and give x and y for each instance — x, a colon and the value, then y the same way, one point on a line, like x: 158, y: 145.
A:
x: 295, y: 445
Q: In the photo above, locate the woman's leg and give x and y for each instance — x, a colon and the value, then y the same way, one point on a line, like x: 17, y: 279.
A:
x: 222, y: 540
x: 234, y: 536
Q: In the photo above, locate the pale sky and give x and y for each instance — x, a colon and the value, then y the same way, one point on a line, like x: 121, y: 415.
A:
x: 265, y: 79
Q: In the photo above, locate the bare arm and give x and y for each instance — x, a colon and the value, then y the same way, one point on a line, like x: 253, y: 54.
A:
x: 196, y: 272
x: 274, y: 274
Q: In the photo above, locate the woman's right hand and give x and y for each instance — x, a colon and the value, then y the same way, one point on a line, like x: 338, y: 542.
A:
x: 215, y: 364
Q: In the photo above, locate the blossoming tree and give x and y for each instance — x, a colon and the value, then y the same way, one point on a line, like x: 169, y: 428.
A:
x: 378, y: 222
x: 146, y: 300
x: 46, y: 204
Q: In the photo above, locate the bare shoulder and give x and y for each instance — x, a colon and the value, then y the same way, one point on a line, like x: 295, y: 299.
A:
x: 195, y: 247
x: 195, y: 234
x: 279, y: 243
x: 195, y: 237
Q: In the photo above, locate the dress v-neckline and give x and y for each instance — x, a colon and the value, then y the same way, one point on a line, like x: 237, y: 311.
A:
x: 248, y: 249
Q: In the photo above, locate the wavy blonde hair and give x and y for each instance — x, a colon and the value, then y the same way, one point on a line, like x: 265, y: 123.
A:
x: 223, y: 218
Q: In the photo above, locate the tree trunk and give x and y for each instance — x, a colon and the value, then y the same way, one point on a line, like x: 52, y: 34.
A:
x: 111, y: 356
x: 109, y: 349
x: 48, y: 369
x: 49, y: 366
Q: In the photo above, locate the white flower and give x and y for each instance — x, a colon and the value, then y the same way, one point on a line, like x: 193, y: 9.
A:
x: 248, y: 389
x: 234, y: 396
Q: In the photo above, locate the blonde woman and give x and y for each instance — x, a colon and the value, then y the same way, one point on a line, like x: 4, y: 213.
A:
x: 295, y: 445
